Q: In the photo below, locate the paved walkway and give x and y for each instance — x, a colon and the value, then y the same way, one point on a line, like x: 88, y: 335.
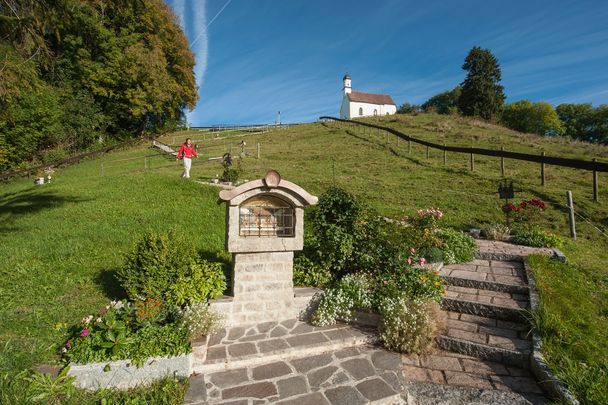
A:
x: 482, y: 356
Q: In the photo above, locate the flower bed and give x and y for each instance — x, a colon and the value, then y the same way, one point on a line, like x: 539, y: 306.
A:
x: 150, y: 334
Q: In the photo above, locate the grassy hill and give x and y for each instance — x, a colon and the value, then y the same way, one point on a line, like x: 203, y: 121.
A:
x: 61, y: 242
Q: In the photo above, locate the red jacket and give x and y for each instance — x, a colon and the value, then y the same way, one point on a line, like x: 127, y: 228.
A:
x: 186, y: 151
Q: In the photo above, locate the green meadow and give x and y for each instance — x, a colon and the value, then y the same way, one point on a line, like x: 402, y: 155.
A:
x: 61, y: 243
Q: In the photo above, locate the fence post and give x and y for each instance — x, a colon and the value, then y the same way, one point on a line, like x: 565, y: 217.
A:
x: 398, y: 139
x: 542, y: 170
x: 570, y: 206
x: 102, y: 171
x: 427, y: 153
x: 258, y: 146
x: 145, y: 162
x: 595, y: 197
x: 502, y: 163
x: 445, y: 155
x: 472, y: 161
x: 386, y: 136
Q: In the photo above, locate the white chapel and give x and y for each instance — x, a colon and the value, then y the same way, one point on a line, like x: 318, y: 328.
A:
x: 357, y: 104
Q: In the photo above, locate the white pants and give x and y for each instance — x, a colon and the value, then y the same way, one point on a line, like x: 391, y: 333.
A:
x: 187, y: 166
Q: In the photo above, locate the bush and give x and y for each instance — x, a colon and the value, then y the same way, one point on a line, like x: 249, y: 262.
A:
x: 537, y: 238
x: 408, y: 326
x: 415, y: 283
x: 308, y: 273
x: 200, y: 320
x: 200, y: 281
x: 354, y: 291
x: 458, y: 247
x: 166, y: 267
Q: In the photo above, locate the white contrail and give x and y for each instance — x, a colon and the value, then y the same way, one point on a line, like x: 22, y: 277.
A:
x: 212, y: 20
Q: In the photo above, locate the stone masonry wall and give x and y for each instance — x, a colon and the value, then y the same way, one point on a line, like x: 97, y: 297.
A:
x: 263, y: 289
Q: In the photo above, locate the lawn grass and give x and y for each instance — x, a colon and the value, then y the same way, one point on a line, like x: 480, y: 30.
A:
x: 61, y: 242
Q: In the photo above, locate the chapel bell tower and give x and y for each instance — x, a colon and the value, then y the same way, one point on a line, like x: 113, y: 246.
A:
x: 347, y: 85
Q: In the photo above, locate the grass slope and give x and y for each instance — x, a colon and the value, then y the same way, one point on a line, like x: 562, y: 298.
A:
x: 59, y: 243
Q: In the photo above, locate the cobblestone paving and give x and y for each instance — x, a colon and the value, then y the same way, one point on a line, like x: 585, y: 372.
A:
x: 349, y: 376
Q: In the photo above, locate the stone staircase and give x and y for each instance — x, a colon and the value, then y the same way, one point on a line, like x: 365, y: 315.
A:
x: 292, y: 362
x: 485, y: 302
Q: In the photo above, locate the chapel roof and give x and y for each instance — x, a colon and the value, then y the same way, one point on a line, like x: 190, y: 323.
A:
x: 370, y: 98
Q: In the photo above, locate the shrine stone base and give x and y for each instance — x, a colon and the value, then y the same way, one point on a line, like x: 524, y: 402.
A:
x: 263, y: 289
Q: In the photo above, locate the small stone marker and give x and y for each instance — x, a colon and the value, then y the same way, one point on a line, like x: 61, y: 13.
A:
x: 264, y: 226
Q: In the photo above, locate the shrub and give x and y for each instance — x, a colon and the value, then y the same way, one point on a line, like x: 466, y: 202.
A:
x: 166, y: 267
x: 200, y: 281
x: 200, y: 320
x: 352, y: 292
x: 537, y: 238
x: 458, y: 247
x: 412, y: 282
x: 408, y: 326
x: 308, y: 273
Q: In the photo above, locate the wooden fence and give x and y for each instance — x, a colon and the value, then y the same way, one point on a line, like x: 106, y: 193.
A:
x: 590, y: 165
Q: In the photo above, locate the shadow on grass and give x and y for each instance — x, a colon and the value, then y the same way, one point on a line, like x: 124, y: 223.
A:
x: 110, y: 285
x: 30, y: 202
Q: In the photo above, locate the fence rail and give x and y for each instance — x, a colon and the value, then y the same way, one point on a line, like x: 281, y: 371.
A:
x: 72, y: 159
x: 591, y: 165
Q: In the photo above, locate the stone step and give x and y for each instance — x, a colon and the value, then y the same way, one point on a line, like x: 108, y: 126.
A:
x: 444, y: 377
x: 505, y: 276
x: 355, y: 375
x: 493, y: 304
x: 487, y: 338
x: 239, y: 347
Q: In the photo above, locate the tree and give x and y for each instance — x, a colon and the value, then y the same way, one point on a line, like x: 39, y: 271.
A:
x: 577, y: 119
x: 443, y: 103
x: 537, y: 118
x: 407, y: 108
x: 600, y: 124
x: 74, y: 70
x: 481, y: 95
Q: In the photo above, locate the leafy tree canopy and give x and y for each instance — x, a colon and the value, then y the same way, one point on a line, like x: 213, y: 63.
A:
x: 537, y: 118
x: 75, y: 69
x: 444, y: 103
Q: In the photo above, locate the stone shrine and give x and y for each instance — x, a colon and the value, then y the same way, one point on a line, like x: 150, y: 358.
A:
x: 264, y: 226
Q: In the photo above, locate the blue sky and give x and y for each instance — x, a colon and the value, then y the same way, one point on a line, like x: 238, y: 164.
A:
x: 255, y: 58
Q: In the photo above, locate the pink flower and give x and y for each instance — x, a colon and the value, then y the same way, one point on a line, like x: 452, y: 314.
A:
x: 103, y: 312
x: 421, y: 261
x: 68, y: 344
x: 409, y: 260
x: 85, y: 332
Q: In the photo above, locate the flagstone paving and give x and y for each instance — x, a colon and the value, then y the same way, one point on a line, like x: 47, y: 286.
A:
x: 354, y: 375
x: 483, y: 355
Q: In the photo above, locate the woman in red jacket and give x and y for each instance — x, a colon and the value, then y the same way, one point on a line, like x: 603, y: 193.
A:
x: 187, y: 151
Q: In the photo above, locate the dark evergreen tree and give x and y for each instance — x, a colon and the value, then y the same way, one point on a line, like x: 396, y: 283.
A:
x: 482, y: 95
